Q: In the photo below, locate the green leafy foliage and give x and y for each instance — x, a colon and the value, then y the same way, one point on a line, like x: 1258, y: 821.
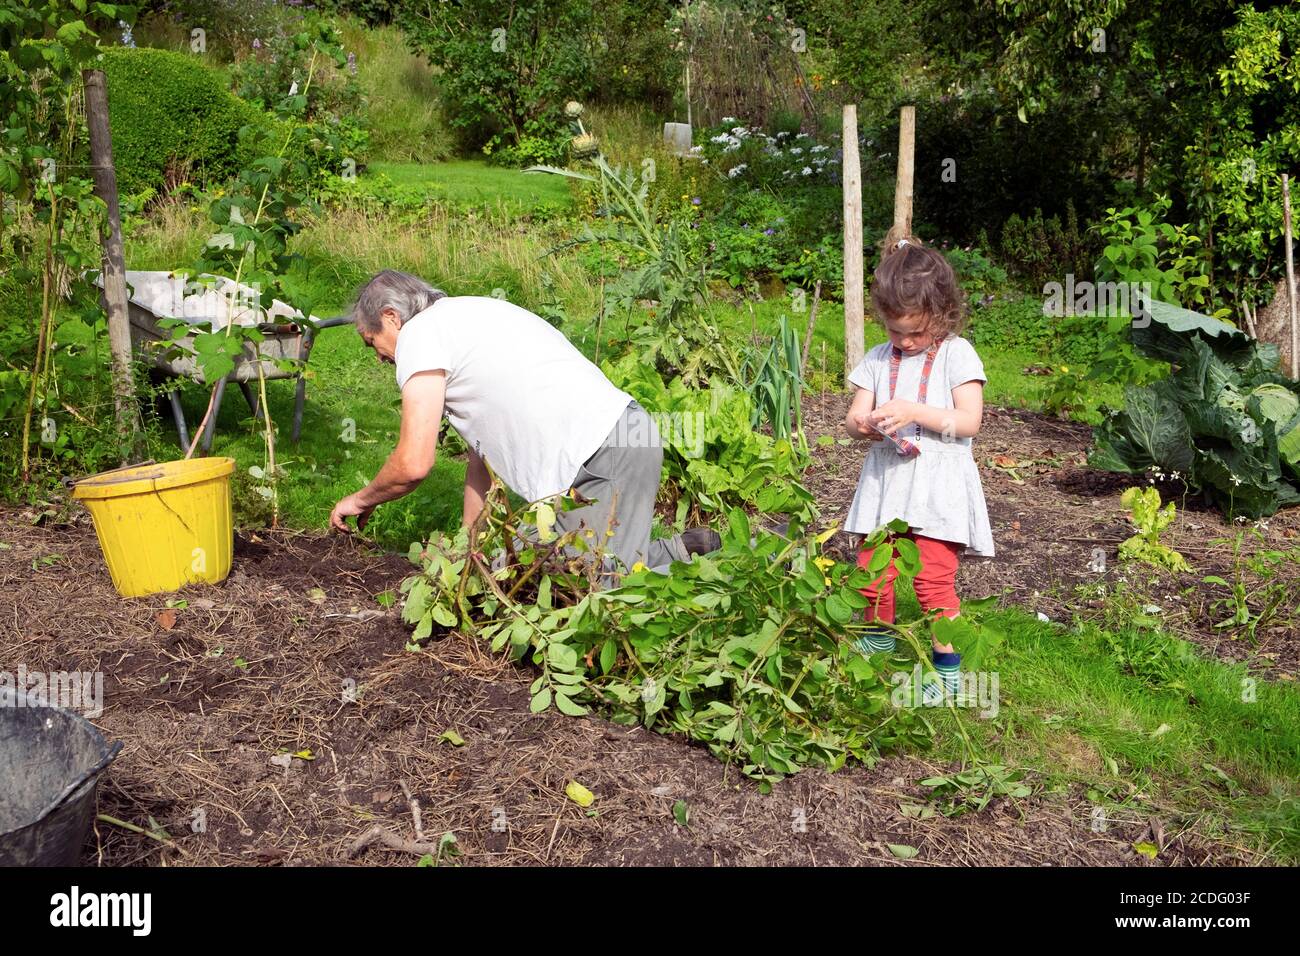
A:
x: 1260, y: 594
x: 173, y: 120
x: 777, y: 386
x: 746, y: 650
x: 1221, y: 419
x: 660, y: 264
x: 782, y: 206
x: 974, y: 789
x: 1043, y: 249
x: 1011, y: 322
x: 1142, y: 249
x: 56, y: 384
x: 714, y: 458
x: 1150, y: 519
x: 506, y: 78
x: 333, y: 108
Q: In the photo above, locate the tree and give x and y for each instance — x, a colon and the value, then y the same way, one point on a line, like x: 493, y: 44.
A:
x: 508, y: 69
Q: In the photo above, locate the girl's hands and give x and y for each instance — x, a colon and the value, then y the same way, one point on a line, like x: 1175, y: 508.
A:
x: 861, y: 422
x: 893, y: 415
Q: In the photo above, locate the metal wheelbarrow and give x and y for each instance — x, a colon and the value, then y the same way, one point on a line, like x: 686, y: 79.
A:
x: 214, y: 301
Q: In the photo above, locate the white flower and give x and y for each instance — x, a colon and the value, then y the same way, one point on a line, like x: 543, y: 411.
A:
x: 796, y: 151
x: 726, y: 120
x: 819, y: 149
x: 807, y: 171
x: 1236, y: 480
x: 737, y: 170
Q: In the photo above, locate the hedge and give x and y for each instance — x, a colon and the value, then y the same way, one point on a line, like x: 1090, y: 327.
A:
x: 170, y: 111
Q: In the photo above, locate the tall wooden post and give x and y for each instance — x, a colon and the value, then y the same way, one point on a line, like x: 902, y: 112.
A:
x: 854, y: 302
x: 114, y: 271
x: 906, y: 172
x: 1290, y: 278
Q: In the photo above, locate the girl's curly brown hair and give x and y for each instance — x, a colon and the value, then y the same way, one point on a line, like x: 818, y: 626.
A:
x: 911, y: 279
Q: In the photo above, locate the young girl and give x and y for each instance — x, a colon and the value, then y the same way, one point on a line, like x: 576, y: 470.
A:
x: 924, y: 387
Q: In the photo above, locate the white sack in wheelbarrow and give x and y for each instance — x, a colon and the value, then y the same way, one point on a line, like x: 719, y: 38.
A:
x: 211, y: 299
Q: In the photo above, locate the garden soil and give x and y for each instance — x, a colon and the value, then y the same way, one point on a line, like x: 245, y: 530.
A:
x: 278, y: 718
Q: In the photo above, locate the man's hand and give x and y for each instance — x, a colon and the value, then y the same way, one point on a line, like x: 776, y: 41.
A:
x: 350, y: 507
x: 411, y: 460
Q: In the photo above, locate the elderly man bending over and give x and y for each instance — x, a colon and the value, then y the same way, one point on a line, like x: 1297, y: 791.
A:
x: 526, y: 402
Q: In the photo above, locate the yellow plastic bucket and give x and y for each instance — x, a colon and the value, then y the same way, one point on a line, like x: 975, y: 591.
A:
x: 162, y: 526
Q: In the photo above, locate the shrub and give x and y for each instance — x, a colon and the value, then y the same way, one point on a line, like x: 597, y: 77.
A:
x: 231, y: 25
x: 978, y: 274
x: 503, y: 87
x: 1041, y: 250
x: 633, y: 55
x: 333, y: 109
x: 782, y: 212
x: 172, y: 120
x: 1019, y: 324
x: 1142, y: 248
x: 750, y: 237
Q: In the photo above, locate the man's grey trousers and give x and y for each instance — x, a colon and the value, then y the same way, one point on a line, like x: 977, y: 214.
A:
x: 621, y: 480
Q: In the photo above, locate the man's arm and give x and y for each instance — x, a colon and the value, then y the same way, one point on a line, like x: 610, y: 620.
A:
x: 477, y: 482
x: 411, y: 460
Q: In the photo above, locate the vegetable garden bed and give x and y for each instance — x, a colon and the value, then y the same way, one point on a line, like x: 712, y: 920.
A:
x: 237, y: 702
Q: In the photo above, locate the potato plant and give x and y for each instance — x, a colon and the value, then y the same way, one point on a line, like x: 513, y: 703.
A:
x: 747, y: 650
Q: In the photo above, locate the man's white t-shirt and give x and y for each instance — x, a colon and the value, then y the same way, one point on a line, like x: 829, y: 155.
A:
x: 521, y: 395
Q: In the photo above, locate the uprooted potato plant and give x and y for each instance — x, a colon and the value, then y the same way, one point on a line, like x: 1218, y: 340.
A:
x: 747, y: 650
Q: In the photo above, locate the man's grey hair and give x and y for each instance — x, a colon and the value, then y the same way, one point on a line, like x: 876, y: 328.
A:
x: 405, y: 294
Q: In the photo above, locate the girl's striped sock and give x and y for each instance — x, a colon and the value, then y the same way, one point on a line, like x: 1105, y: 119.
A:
x: 948, y: 667
x: 874, y: 641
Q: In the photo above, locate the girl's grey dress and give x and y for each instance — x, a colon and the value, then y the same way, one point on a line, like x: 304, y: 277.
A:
x: 938, y: 492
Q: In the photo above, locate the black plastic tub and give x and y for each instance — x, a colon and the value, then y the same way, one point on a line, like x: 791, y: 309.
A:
x: 50, y: 761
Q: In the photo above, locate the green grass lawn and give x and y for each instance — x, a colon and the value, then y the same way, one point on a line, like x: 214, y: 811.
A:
x: 1194, y: 736
x: 475, y: 183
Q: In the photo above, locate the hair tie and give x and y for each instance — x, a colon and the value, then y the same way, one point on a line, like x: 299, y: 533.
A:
x: 901, y: 243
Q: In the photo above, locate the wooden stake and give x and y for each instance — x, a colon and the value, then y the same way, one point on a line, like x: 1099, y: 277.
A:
x: 1290, y: 277
x: 808, y: 332
x: 114, y: 271
x: 854, y: 302
x: 1250, y: 321
x: 906, y: 172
